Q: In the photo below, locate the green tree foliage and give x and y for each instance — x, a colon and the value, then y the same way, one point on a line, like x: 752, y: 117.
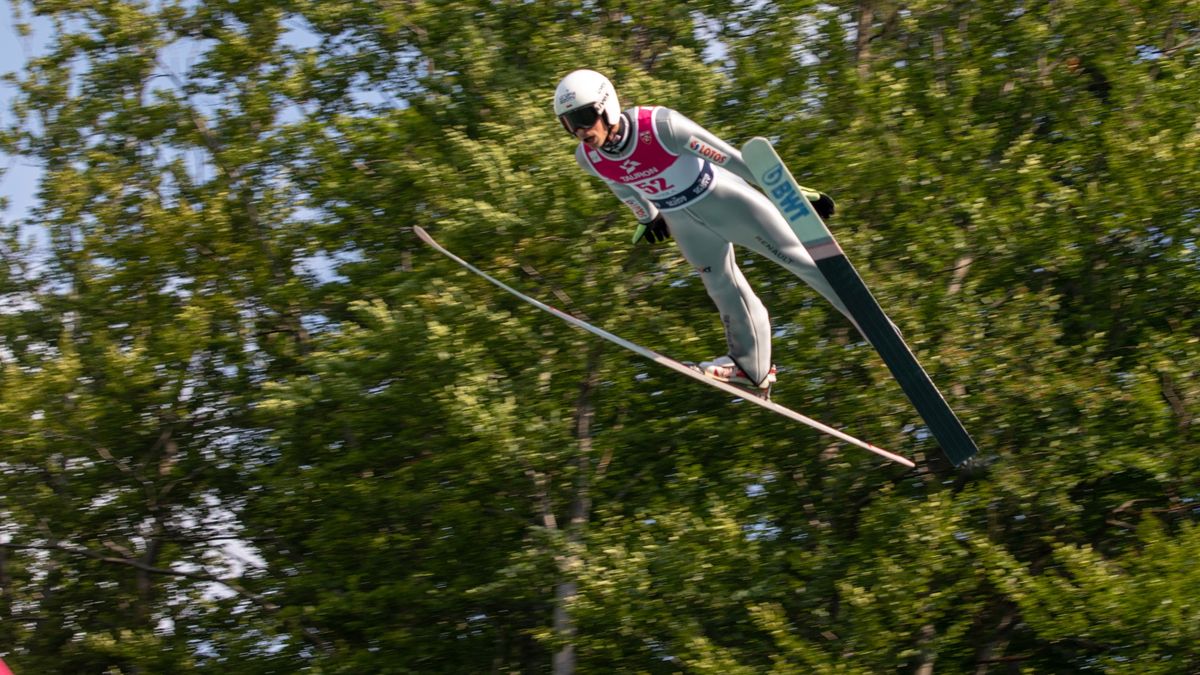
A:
x: 250, y: 424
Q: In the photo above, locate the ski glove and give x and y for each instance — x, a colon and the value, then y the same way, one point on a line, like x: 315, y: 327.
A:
x: 823, y: 205
x: 653, y: 231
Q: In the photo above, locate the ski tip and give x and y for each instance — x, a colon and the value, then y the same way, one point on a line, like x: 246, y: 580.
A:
x: 903, y: 461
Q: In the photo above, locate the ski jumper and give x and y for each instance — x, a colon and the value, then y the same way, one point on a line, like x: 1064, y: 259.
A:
x: 669, y: 164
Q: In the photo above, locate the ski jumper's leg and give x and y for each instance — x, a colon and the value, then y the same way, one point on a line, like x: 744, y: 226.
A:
x: 746, y: 217
x: 747, y: 325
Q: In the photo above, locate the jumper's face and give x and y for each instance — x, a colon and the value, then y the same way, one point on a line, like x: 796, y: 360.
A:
x: 593, y: 136
x: 587, y: 123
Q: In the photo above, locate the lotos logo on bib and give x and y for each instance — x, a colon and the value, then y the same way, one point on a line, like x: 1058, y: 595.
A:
x: 707, y: 151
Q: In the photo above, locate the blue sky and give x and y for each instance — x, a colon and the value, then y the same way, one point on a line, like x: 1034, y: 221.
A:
x: 20, y: 179
x: 21, y: 176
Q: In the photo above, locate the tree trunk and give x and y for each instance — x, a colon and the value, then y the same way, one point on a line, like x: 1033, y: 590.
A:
x: 862, y: 46
x: 581, y: 507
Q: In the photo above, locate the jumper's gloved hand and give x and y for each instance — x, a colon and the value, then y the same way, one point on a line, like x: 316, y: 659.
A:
x: 821, y: 202
x: 653, y: 231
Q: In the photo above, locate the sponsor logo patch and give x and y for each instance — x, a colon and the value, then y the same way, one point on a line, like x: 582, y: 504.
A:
x: 639, y: 211
x: 707, y: 151
x: 774, y: 249
x: 630, y: 166
x: 696, y: 190
x: 644, y: 173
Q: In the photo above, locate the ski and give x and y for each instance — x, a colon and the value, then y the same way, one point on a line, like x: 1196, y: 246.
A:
x: 665, y: 361
x: 779, y: 185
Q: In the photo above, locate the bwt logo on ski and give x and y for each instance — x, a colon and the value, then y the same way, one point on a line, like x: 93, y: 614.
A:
x: 707, y: 151
x: 790, y: 202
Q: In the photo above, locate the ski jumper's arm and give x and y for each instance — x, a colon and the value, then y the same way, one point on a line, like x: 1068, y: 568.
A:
x: 642, y: 209
x: 681, y: 135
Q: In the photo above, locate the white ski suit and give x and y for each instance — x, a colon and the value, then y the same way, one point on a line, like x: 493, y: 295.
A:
x: 667, y: 163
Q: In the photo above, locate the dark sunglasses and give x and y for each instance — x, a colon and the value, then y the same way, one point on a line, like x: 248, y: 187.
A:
x: 580, y: 118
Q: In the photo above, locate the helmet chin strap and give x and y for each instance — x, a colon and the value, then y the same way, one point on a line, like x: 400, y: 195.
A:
x: 617, y: 135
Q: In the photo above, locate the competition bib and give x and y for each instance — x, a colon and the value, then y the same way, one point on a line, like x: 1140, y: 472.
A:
x: 668, y: 180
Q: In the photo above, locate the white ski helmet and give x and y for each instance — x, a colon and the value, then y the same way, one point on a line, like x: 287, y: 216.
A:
x: 582, y: 96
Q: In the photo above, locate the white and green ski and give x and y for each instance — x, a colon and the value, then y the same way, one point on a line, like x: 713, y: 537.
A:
x: 775, y: 179
x: 668, y: 362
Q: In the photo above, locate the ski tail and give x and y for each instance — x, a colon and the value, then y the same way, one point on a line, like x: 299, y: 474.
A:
x: 943, y: 424
x: 665, y: 361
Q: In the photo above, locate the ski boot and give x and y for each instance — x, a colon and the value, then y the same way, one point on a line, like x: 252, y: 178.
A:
x: 724, y: 369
